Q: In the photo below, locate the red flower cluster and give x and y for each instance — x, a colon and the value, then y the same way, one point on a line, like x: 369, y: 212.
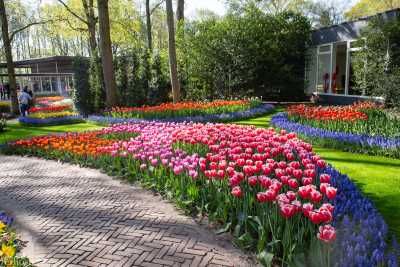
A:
x: 50, y: 109
x: 331, y: 113
x: 247, y: 156
x: 180, y: 106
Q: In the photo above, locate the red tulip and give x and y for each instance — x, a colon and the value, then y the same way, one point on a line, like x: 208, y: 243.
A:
x: 321, y: 163
x: 285, y: 179
x: 298, y: 173
x: 315, y: 217
x: 325, y: 178
x: 293, y: 183
x: 291, y: 195
x: 309, y: 173
x: 230, y: 171
x: 304, y: 192
x: 328, y: 206
x: 252, y: 180
x: 236, y: 191
x: 326, y: 215
x: 287, y: 210
x: 264, y: 181
x: 315, y: 196
x: 289, y: 170
x: 323, y: 186
x: 266, y: 169
x: 220, y: 174
x: 307, y: 208
x: 307, y: 181
x: 294, y: 164
x: 331, y: 192
x: 327, y: 233
x: 282, y: 164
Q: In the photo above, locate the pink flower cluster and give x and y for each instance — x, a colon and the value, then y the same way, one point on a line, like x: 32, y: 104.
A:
x: 277, y: 165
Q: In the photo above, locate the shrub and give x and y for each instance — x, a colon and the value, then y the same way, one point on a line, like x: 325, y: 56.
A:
x: 252, y: 54
x: 83, y: 96
x: 380, y: 75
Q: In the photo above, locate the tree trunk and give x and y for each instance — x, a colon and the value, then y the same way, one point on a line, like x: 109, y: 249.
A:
x: 106, y: 53
x: 176, y: 94
x: 180, y: 10
x: 148, y: 26
x: 9, y: 59
x: 91, y: 23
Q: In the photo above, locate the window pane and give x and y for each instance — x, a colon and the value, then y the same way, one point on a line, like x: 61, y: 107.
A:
x: 324, y: 73
x: 325, y: 48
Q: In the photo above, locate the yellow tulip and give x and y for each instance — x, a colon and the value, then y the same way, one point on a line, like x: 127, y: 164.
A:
x: 9, y: 251
x: 2, y: 226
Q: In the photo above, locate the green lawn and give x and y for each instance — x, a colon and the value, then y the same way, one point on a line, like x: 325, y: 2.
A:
x: 377, y: 177
x: 15, y: 131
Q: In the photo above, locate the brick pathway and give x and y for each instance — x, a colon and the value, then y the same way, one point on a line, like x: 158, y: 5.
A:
x: 75, y: 216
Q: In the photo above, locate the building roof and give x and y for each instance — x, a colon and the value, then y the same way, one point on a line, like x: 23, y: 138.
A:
x: 27, y: 63
x: 349, y: 30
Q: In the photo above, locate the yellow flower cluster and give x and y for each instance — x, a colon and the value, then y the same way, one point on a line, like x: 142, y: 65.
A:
x: 46, y: 115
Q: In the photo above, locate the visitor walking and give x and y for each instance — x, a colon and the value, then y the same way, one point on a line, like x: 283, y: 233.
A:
x: 24, y: 99
x: 2, y: 93
x: 7, y: 91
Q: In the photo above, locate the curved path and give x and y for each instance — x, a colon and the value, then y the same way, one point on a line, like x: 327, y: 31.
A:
x: 74, y: 216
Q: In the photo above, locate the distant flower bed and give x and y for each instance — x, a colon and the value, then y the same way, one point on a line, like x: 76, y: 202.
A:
x: 267, y: 187
x: 51, y: 120
x: 219, y: 117
x: 47, y: 115
x: 5, y: 107
x: 183, y: 109
x: 363, y: 118
x: 10, y: 245
x: 364, y: 143
x: 49, y: 98
x: 54, y: 110
x: 50, y: 109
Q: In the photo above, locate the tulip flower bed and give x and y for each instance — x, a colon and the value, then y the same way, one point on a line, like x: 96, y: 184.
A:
x: 10, y: 245
x: 5, y: 107
x: 360, y: 118
x: 375, y: 145
x: 223, y: 117
x: 51, y: 111
x: 183, y: 109
x: 266, y: 187
x: 363, y: 128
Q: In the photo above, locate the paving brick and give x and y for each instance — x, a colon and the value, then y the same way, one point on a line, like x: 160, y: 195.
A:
x: 82, y: 217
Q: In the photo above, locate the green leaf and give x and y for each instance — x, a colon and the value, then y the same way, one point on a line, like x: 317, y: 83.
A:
x: 224, y: 229
x: 265, y: 258
x: 245, y: 241
x: 298, y: 260
x: 236, y: 232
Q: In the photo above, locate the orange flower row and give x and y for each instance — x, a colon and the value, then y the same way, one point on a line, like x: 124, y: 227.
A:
x: 80, y: 144
x: 344, y: 113
x: 181, y: 106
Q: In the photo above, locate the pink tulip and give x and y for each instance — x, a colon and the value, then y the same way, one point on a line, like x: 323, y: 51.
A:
x: 327, y: 233
x: 237, y: 191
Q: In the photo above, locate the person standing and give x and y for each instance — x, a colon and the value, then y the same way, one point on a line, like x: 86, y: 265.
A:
x: 24, y: 99
x: 2, y: 94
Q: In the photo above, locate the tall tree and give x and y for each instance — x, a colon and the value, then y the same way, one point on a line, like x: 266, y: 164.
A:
x: 106, y: 53
x: 180, y: 10
x: 9, y: 58
x: 148, y: 26
x: 90, y: 20
x: 176, y: 90
x: 370, y: 7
